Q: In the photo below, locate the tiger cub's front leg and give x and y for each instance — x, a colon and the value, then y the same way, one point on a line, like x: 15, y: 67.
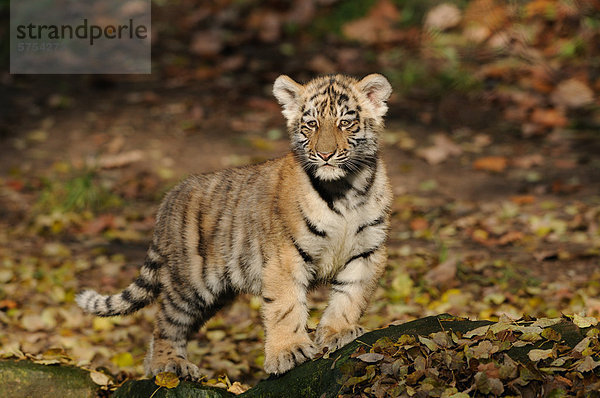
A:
x: 351, y: 290
x: 285, y: 312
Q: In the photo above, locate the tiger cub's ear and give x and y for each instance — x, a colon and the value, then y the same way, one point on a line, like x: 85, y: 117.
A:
x: 378, y: 90
x: 288, y: 93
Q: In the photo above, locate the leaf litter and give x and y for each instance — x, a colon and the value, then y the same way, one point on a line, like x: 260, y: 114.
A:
x: 481, y: 361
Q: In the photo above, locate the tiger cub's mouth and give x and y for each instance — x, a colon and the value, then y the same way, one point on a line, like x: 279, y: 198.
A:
x: 329, y: 172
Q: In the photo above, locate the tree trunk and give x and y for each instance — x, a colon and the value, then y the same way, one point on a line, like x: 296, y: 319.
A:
x: 319, y: 378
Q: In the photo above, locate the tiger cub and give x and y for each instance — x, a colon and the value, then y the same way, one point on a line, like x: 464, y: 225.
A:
x: 318, y: 215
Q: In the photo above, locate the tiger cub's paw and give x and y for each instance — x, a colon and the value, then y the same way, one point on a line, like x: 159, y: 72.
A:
x: 327, y: 337
x: 281, y: 360
x: 181, y: 367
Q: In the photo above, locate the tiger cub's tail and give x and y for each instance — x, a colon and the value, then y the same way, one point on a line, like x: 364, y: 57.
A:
x: 142, y: 292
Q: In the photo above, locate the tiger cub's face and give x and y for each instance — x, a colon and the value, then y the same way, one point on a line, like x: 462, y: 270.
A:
x: 334, y: 122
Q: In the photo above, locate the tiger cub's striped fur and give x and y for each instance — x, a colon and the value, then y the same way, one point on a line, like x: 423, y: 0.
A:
x: 317, y: 215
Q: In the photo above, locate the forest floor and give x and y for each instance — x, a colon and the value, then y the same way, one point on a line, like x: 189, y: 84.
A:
x: 485, y: 222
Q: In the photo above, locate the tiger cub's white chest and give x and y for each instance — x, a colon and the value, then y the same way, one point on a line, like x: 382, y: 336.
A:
x: 346, y: 235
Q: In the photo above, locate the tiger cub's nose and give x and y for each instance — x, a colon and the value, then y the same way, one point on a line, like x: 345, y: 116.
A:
x: 325, y: 155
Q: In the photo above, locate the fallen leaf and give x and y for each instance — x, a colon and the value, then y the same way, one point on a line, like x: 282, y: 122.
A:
x: 167, y: 379
x: 549, y: 117
x: 443, y: 17
x: 419, y: 224
x: 238, y: 388
x: 443, y: 147
x: 7, y: 304
x: 480, y: 331
x: 378, y: 26
x: 587, y: 364
x: 490, y: 369
x: 491, y: 163
x: 545, y: 322
x: 482, y: 350
x: 561, y: 187
x: 572, y: 93
x: 99, y: 378
x: 551, y: 334
x: 584, y: 322
x: 522, y: 199
x: 538, y: 355
x: 206, y: 43
x: 123, y: 359
x: 528, y: 161
x: 582, y: 345
x: 120, y: 160
x: 546, y: 255
x: 442, y: 273
x: 432, y: 345
x: 510, y: 237
x: 371, y: 357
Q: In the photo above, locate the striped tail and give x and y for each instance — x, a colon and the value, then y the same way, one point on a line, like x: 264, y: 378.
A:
x: 142, y: 292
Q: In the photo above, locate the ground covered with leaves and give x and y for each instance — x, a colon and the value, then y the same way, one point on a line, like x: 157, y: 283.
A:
x: 487, y: 361
x: 492, y: 147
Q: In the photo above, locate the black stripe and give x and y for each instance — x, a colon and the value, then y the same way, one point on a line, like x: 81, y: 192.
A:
x: 342, y: 98
x: 305, y: 256
x: 153, y: 265
x: 179, y: 308
x: 225, y: 297
x: 135, y: 304
x: 155, y: 249
x: 337, y: 289
x: 335, y: 282
x: 174, y: 321
x: 244, y: 255
x: 201, y: 246
x: 313, y: 229
x: 361, y: 255
x: 345, y: 317
x: 222, y: 205
x: 373, y: 223
x: 142, y: 283
x: 108, y: 303
x: 282, y: 317
x: 267, y: 299
x: 330, y: 191
x: 232, y: 223
x: 374, y: 166
x: 198, y: 301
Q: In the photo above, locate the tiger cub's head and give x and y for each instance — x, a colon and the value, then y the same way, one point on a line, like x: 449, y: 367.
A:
x: 334, y: 122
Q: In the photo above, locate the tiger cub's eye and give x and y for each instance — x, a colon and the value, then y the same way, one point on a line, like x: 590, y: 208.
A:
x: 345, y: 123
x: 311, y: 123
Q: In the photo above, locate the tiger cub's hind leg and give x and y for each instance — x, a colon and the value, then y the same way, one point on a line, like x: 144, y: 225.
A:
x: 167, y: 351
x: 175, y: 324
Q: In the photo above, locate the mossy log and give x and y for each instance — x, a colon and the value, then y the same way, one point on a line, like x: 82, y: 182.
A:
x: 28, y: 379
x: 318, y: 378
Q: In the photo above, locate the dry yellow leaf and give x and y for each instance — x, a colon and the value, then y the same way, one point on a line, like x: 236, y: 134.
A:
x: 584, y: 322
x: 167, y: 379
x: 238, y: 388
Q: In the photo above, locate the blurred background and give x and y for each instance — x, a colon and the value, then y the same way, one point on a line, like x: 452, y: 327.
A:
x: 492, y: 145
